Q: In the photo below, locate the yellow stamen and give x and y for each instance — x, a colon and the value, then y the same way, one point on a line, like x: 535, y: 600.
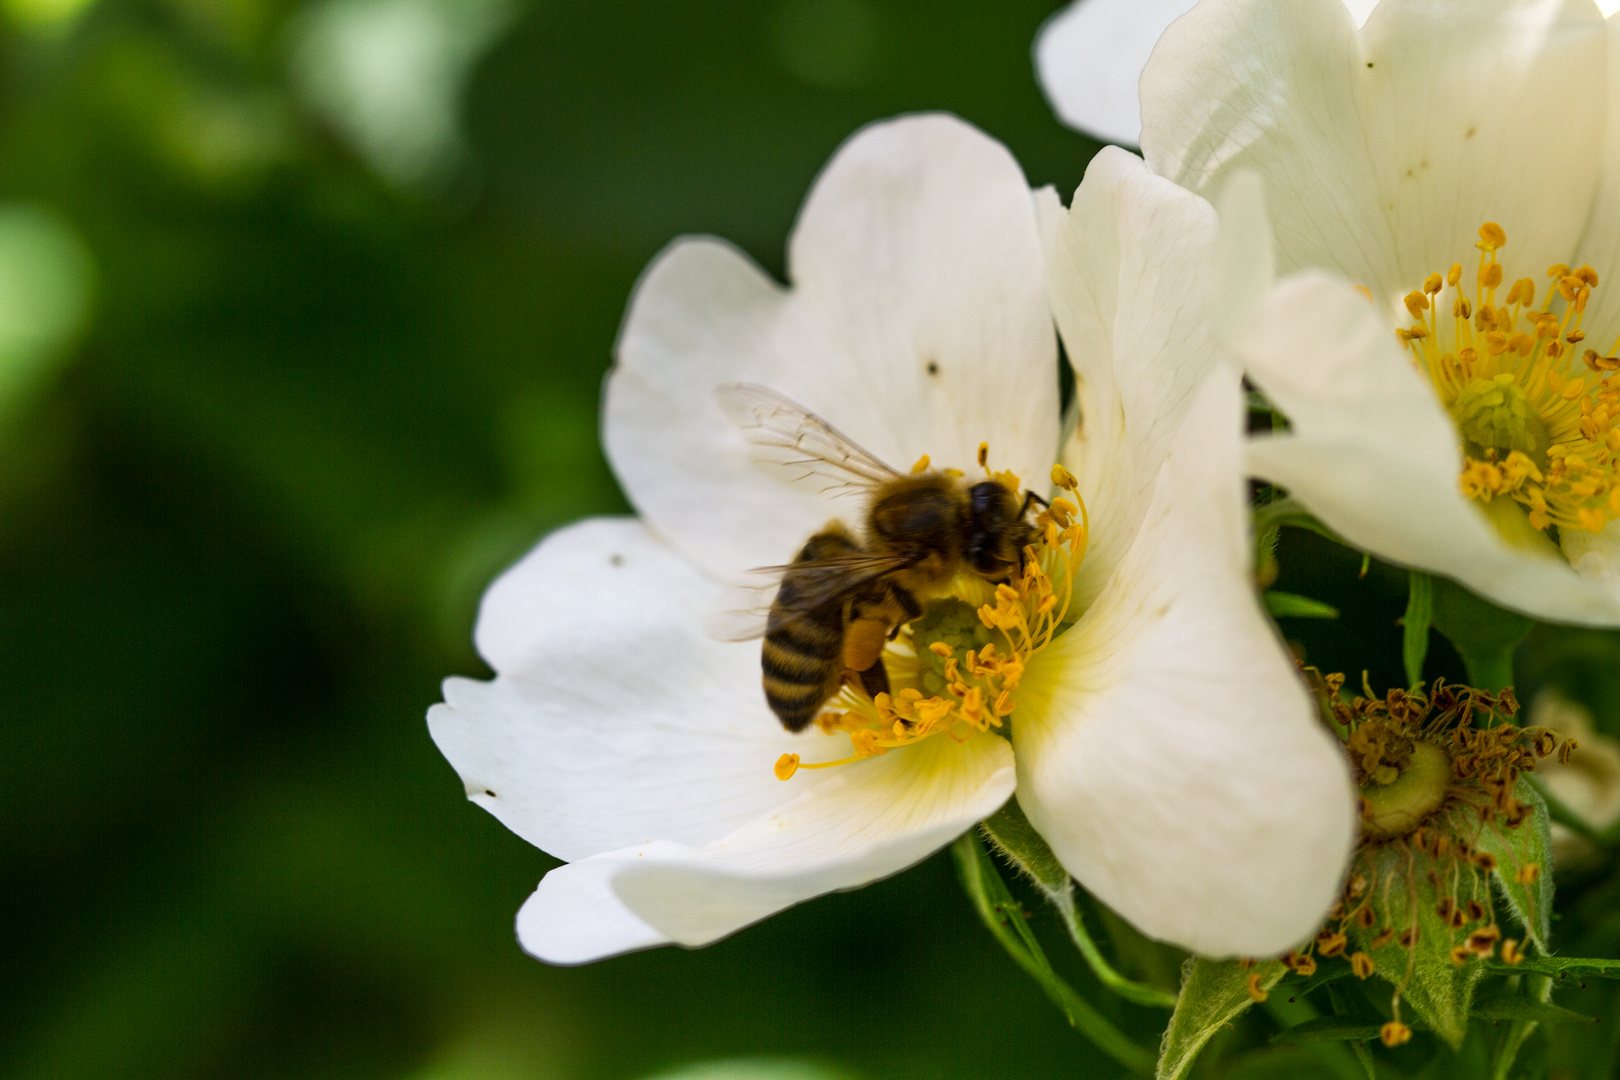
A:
x: 1539, y: 420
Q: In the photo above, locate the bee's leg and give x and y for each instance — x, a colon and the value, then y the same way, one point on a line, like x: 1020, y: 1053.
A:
x: 1029, y: 498
x: 875, y: 679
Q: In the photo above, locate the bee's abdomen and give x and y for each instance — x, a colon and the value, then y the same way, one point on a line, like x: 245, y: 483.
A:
x: 802, y: 661
x: 802, y: 658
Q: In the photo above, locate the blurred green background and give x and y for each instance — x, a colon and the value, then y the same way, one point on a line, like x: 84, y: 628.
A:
x: 304, y: 310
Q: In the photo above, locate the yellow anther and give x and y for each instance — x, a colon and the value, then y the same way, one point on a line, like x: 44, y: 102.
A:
x: 1394, y: 1034
x: 1454, y: 275
x: 1490, y: 275
x: 1461, y: 308
x: 1362, y: 965
x: 1569, y: 286
x: 1256, y: 994
x: 1528, y: 874
x: 1433, y: 284
x: 1557, y: 270
x: 1491, y: 237
x: 1588, y: 275
x: 1417, y: 304
x: 921, y: 466
x: 1511, y: 953
x: 939, y: 648
x: 1063, y: 478
x: 786, y: 766
x: 984, y: 456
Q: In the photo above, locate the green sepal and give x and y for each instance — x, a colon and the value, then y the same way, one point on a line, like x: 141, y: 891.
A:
x: 1284, y: 605
x: 1331, y: 1029
x: 1483, y: 634
x: 1520, y: 1007
x: 1439, y: 991
x: 1213, y: 994
x: 1531, y: 842
x: 1559, y: 967
x: 1415, y: 626
x: 1017, y: 840
x: 1327, y: 971
x: 1004, y: 917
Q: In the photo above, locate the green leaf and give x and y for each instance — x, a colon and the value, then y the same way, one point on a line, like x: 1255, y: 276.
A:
x: 1016, y: 840
x: 1559, y: 967
x: 1284, y: 605
x: 1331, y: 1028
x: 1004, y: 917
x: 1484, y: 634
x: 1415, y: 625
x: 1213, y: 994
x: 1515, y: 849
x: 1519, y: 1007
x: 1439, y: 991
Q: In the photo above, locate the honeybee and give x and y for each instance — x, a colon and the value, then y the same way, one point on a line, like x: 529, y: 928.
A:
x: 845, y: 595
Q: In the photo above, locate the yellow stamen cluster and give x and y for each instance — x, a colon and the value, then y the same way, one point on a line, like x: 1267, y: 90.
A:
x: 1538, y: 413
x: 1026, y: 613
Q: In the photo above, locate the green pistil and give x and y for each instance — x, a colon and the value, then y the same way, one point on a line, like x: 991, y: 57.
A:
x: 954, y: 622
x: 1398, y: 807
x: 1494, y: 414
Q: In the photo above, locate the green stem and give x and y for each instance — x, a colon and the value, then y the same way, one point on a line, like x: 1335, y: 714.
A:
x: 1490, y: 671
x: 1540, y: 987
x: 1005, y: 919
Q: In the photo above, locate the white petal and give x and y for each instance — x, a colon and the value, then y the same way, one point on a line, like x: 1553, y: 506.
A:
x: 862, y: 822
x: 1375, y: 457
x: 1167, y: 749
x: 917, y: 324
x: 1382, y: 152
x: 615, y: 720
x: 1090, y: 57
x: 1129, y: 268
x: 1600, y: 247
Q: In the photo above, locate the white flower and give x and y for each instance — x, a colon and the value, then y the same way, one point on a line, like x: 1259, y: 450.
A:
x: 1483, y: 444
x: 1090, y: 56
x: 1162, y: 742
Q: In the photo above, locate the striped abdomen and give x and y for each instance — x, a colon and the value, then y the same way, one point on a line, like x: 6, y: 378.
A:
x: 804, y: 639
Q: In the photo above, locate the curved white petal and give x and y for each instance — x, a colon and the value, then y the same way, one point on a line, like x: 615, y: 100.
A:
x: 917, y: 324
x: 614, y: 720
x: 1128, y: 267
x: 1375, y: 457
x: 1383, y: 151
x: 1600, y: 247
x: 1167, y: 749
x: 861, y: 822
x: 1090, y: 57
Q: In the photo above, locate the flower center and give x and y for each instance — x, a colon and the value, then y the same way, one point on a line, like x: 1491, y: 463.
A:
x: 1400, y: 805
x: 1537, y: 412
x: 955, y: 670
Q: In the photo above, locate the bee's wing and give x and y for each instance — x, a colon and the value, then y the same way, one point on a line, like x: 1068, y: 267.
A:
x: 797, y: 445
x: 744, y: 610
